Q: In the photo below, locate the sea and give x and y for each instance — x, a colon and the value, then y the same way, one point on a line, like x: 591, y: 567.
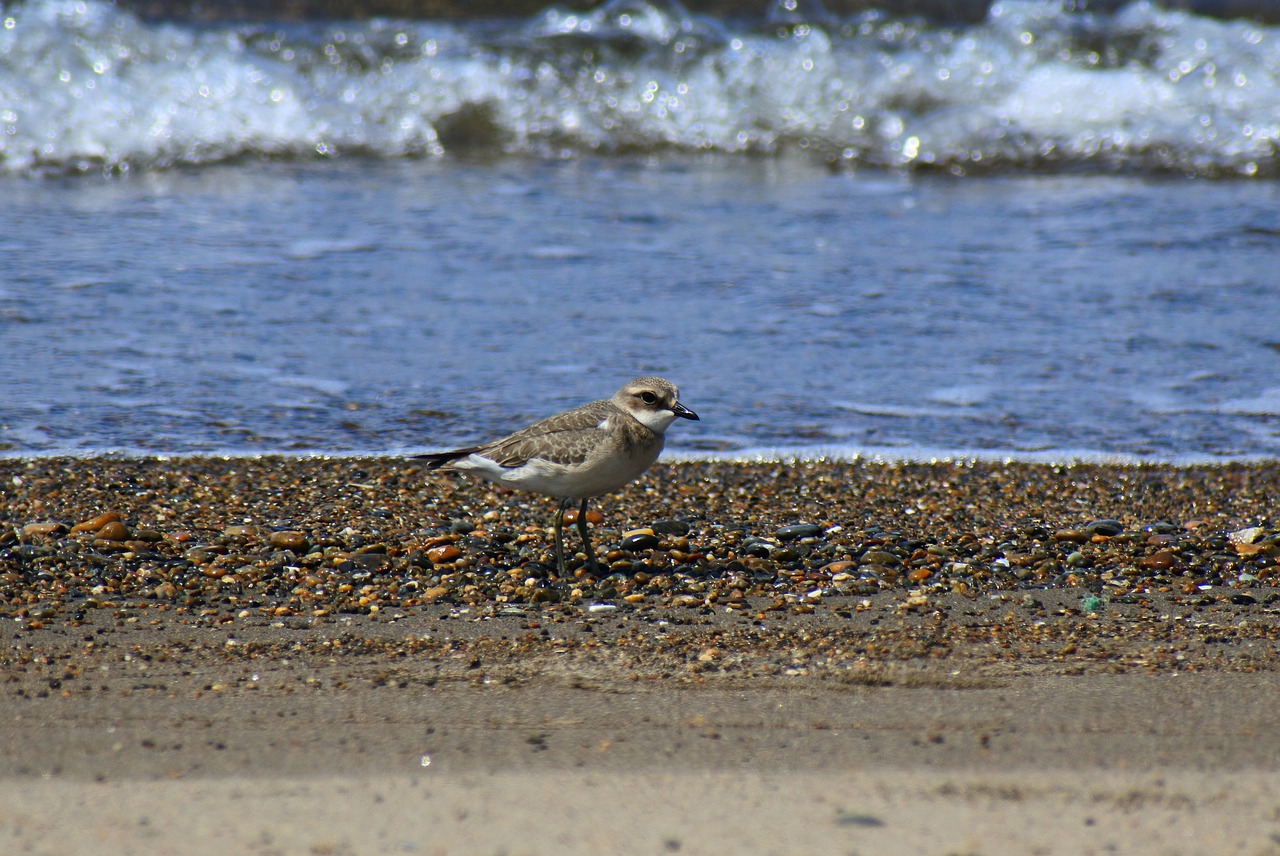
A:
x: 1052, y: 234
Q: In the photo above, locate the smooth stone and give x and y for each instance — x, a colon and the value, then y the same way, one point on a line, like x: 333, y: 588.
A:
x: 678, y: 528
x: 98, y: 522
x: 441, y: 554
x: 249, y: 531
x: 784, y: 555
x: 113, y: 531
x: 462, y: 527
x: 289, y: 540
x: 43, y: 529
x: 1246, y: 536
x: 798, y: 530
x: 199, y: 556
x: 1105, y: 527
x: 879, y: 557
x: 371, y: 561
x: 641, y: 541
x: 593, y: 517
x: 1160, y: 561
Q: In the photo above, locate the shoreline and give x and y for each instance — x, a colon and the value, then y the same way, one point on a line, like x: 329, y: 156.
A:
x: 350, y: 656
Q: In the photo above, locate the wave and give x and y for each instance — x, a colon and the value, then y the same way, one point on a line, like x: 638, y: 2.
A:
x: 87, y: 87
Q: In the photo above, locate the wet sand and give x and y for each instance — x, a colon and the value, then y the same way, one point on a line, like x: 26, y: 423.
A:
x: 967, y: 711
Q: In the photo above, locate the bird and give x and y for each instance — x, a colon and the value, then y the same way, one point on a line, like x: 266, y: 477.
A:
x: 579, y: 454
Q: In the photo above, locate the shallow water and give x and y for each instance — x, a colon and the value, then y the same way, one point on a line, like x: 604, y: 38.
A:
x: 392, y: 305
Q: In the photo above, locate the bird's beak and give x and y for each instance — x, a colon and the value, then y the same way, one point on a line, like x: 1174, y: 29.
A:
x: 684, y: 412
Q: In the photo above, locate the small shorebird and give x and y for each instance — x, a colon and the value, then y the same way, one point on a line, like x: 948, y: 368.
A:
x: 578, y: 454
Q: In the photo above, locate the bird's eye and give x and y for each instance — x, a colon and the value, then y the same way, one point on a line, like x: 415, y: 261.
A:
x: 648, y: 398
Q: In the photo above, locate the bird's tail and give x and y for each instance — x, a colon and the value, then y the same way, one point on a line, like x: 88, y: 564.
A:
x: 436, y: 460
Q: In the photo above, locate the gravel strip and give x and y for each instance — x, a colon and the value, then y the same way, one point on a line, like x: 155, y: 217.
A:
x: 857, y: 572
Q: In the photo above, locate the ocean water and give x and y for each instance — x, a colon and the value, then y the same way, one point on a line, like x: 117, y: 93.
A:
x: 1049, y: 235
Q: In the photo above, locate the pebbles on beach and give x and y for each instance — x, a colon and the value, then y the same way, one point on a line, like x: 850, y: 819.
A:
x: 234, y: 540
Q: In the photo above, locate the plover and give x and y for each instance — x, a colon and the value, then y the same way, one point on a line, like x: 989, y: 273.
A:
x: 578, y: 454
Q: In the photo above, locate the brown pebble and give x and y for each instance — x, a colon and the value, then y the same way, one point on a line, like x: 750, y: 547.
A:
x: 113, y: 531
x: 1158, y: 561
x: 43, y: 529
x: 593, y: 517
x: 289, y: 540
x: 443, y: 553
x: 98, y: 522
x: 434, y: 593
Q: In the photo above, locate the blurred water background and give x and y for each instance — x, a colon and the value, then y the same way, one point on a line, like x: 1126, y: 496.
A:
x: 1047, y: 230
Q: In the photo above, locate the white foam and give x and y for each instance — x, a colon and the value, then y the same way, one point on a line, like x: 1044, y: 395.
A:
x: 84, y: 85
x: 1265, y: 403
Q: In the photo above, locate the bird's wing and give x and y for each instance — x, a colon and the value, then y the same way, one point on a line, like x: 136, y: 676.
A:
x: 576, y: 433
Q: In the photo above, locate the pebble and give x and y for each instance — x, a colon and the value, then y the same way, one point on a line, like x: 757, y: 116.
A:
x: 1105, y: 527
x: 670, y: 526
x: 798, y: 530
x: 641, y: 541
x: 289, y: 539
x: 444, y: 553
x: 113, y: 531
x: 302, y: 546
x: 594, y: 517
x: 43, y: 529
x: 1248, y: 535
x: 96, y: 523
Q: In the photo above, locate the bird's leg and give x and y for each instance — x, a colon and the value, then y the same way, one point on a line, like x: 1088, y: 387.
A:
x: 558, y: 528
x: 586, y: 540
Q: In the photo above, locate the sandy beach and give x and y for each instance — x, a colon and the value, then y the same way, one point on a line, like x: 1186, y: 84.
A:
x: 347, y: 655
